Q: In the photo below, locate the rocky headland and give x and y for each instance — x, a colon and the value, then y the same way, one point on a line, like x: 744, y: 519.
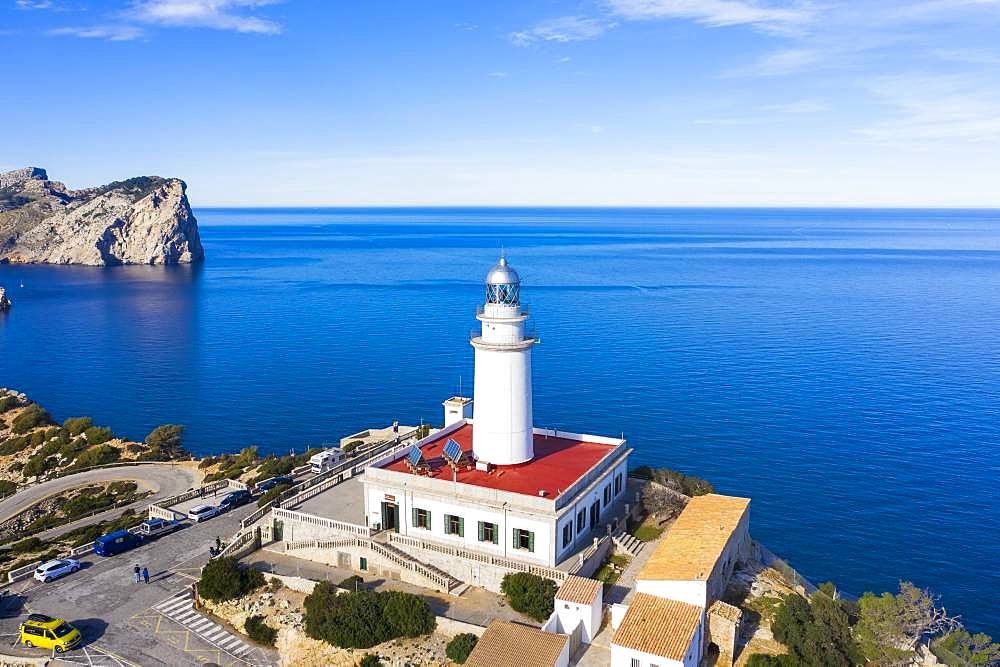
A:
x: 4, y: 300
x: 142, y: 220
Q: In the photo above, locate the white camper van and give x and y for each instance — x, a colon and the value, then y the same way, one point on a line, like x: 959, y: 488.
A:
x: 326, y: 459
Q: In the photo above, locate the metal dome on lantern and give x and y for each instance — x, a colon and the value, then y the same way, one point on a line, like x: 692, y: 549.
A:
x: 503, y: 285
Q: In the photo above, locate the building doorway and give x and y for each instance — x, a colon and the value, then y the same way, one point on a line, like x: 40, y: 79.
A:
x: 595, y: 514
x: 390, y: 516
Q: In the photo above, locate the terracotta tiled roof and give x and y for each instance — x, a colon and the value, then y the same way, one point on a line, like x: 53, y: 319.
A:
x: 506, y: 644
x: 659, y: 626
x: 579, y: 590
x: 697, y: 539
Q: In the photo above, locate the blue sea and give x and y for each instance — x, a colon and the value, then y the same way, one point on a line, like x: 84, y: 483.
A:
x: 840, y: 367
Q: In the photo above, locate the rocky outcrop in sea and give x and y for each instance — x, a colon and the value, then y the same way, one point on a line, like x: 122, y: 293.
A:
x: 4, y: 301
x: 143, y: 220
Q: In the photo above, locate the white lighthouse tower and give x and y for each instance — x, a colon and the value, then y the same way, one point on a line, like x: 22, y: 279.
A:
x: 502, y: 428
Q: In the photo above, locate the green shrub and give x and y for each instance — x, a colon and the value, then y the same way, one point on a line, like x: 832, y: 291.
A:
x: 273, y: 466
x: 352, y: 445
x: 259, y: 631
x: 44, y: 522
x: 272, y: 494
x: 26, y: 545
x: 351, y: 620
x: 406, y: 614
x: 529, y: 594
x: 958, y: 648
x: 817, y: 632
x: 370, y: 660
x: 37, y: 465
x: 207, y: 462
x: 678, y: 481
x: 49, y: 448
x: 122, y: 487
x: 166, y: 442
x: 352, y: 583
x: 13, y: 445
x: 8, y: 402
x: 77, y: 425
x: 31, y: 417
x: 224, y: 579
x: 461, y: 646
x: 765, y: 660
x: 96, y: 456
x: 7, y: 487
x: 36, y: 438
x: 98, y: 434
x: 85, y: 504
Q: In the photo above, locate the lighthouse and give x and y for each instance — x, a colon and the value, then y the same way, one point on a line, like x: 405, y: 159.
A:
x: 502, y: 429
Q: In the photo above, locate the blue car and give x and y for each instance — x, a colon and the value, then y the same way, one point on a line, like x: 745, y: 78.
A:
x: 269, y: 484
x: 116, y: 542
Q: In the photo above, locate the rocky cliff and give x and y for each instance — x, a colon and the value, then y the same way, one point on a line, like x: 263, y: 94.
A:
x: 144, y: 220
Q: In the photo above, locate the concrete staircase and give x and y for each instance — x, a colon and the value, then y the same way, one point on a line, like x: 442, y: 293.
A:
x: 436, y: 577
x: 628, y: 543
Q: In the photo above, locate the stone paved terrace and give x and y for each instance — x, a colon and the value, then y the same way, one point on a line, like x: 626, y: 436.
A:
x: 343, y: 502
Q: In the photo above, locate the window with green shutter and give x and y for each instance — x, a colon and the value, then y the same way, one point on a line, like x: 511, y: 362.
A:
x: 488, y: 532
x: 421, y: 518
x: 524, y: 539
x: 454, y: 525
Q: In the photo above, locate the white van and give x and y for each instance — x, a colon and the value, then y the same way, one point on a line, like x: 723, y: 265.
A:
x: 326, y: 460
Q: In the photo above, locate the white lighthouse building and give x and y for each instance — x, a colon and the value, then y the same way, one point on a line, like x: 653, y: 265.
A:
x: 489, y: 493
x: 502, y: 432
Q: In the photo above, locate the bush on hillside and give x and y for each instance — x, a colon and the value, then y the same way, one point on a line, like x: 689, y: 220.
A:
x: 370, y: 660
x: 32, y: 417
x: 529, y: 594
x: 37, y: 465
x: 406, y: 614
x: 259, y: 631
x: 817, y: 632
x: 77, y: 425
x: 225, y: 579
x: 165, y: 442
x: 8, y: 403
x: 98, y: 434
x: 689, y: 485
x: 352, y: 583
x: 7, y: 487
x: 350, y: 620
x: 26, y: 545
x: 364, y: 618
x: 461, y: 646
x: 13, y: 445
x: 97, y: 455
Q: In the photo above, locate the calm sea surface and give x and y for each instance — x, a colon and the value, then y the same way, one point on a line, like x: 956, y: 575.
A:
x: 840, y: 367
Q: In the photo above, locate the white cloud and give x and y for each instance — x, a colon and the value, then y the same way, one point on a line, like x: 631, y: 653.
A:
x: 717, y: 13
x: 115, y: 33
x: 497, y: 75
x: 216, y: 14
x: 33, y: 4
x: 561, y: 29
x: 929, y: 108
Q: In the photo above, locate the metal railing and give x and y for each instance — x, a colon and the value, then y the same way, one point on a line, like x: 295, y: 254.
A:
x: 241, y: 544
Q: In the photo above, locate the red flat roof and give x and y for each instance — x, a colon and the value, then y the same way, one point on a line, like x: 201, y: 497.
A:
x: 558, y: 463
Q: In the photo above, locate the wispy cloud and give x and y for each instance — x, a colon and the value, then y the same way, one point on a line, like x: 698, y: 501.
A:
x: 925, y: 108
x: 788, y: 17
x: 33, y: 4
x: 562, y: 29
x: 115, y: 33
x: 215, y: 14
x: 497, y: 75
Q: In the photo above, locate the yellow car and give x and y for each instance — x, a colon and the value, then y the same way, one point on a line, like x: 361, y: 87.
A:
x: 47, y: 632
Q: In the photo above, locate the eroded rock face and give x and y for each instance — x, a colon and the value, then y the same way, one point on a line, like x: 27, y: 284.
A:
x: 144, y: 220
x: 4, y: 300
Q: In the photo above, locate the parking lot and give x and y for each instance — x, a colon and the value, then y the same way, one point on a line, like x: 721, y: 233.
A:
x: 113, y: 613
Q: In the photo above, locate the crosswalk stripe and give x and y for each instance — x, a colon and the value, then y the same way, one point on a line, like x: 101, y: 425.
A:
x: 229, y: 642
x: 174, y: 605
x: 200, y: 624
x: 186, y: 617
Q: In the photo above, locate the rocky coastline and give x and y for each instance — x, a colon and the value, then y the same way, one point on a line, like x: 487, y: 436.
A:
x: 142, y: 220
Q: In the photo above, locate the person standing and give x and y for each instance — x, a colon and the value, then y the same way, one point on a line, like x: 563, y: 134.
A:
x: 136, y: 573
x: 145, y: 575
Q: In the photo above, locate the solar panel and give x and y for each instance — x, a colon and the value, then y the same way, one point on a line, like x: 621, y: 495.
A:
x: 453, y: 451
x: 415, y: 457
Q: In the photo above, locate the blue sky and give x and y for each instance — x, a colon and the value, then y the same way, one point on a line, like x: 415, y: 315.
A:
x: 616, y: 102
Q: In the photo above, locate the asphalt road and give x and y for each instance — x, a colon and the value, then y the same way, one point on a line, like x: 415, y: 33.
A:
x: 110, y: 610
x: 165, y: 479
